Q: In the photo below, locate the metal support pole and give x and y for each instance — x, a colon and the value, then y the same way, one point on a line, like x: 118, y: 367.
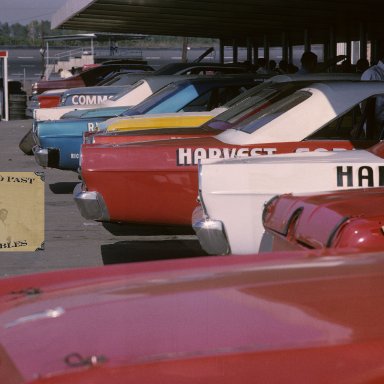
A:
x: 377, y: 50
x: 326, y: 50
x: 221, y: 51
x: 184, y: 52
x: 6, y: 102
x: 4, y: 56
x: 234, y: 51
x: 349, y: 49
x: 266, y: 48
x: 307, y: 42
x: 290, y: 53
x: 47, y: 60
x: 332, y: 45
x: 249, y: 50
x: 363, y: 43
x: 255, y: 52
x: 284, y: 45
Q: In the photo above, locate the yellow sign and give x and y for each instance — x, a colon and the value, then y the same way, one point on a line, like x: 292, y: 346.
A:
x: 21, y: 211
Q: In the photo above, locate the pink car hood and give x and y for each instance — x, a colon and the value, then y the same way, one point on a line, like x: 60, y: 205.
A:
x: 71, y: 322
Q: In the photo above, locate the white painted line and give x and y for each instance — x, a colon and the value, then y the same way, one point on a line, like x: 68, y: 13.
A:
x: 176, y: 58
x: 152, y: 57
x: 25, y: 57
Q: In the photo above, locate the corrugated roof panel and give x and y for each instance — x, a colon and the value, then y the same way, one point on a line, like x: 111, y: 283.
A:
x: 225, y: 18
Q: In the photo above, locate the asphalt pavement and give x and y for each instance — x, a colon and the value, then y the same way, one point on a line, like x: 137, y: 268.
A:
x: 70, y: 240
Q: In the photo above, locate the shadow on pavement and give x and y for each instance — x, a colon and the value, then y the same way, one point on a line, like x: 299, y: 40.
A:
x: 140, y: 251
x: 146, y: 229
x: 63, y: 188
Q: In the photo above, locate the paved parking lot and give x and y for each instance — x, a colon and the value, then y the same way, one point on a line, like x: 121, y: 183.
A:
x: 70, y: 240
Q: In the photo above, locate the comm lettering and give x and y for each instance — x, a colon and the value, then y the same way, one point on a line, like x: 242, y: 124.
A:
x: 89, y: 99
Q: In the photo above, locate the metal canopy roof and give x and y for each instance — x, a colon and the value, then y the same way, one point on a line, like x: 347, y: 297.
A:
x: 227, y: 19
x: 95, y: 36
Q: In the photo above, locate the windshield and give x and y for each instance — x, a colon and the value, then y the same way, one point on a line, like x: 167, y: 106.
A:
x: 114, y: 80
x: 252, y: 92
x: 271, y: 112
x: 171, y: 98
x: 250, y: 103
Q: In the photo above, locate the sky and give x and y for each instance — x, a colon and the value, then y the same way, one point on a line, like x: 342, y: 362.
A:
x: 25, y: 11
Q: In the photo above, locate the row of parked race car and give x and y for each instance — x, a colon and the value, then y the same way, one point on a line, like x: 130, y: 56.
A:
x: 311, y: 312
x: 142, y: 165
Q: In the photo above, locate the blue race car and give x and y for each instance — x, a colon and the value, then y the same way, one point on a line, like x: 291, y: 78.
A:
x: 59, y: 141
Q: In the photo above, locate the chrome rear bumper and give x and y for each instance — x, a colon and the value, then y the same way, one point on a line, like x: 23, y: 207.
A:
x: 90, y: 204
x: 211, y: 233
x: 46, y: 157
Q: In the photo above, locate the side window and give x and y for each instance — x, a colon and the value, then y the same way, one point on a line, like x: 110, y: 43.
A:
x: 214, y: 98
x: 200, y: 104
x: 355, y: 124
x: 175, y: 102
x: 229, y: 93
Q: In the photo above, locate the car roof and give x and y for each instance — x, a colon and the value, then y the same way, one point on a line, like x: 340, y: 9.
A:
x: 323, y: 76
x: 173, y: 68
x: 305, y: 79
x: 215, y: 79
x: 327, y: 100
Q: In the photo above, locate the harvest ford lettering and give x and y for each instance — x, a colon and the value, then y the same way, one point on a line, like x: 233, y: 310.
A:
x: 189, y: 156
x: 364, y: 176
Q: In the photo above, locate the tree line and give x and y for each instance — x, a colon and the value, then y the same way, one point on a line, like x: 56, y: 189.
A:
x: 32, y: 35
x: 18, y: 34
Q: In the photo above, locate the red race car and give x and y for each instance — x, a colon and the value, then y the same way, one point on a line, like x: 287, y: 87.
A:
x: 89, y: 77
x: 352, y: 218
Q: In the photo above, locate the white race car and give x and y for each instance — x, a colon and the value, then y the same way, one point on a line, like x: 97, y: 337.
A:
x: 233, y: 192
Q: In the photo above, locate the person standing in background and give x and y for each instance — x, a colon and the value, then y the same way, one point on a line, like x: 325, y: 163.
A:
x: 376, y: 73
x: 308, y: 63
x: 362, y: 65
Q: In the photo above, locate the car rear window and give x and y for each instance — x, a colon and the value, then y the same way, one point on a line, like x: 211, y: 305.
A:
x: 271, y: 112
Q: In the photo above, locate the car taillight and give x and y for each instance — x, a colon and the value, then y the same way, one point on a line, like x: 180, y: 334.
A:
x: 88, y: 138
